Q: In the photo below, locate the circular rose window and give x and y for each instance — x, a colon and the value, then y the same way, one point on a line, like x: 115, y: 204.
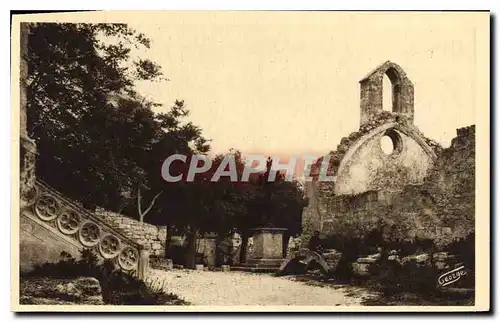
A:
x: 391, y: 143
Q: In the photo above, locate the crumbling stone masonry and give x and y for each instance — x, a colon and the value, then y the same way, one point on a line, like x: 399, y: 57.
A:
x: 152, y: 237
x: 417, y: 190
x: 372, y: 92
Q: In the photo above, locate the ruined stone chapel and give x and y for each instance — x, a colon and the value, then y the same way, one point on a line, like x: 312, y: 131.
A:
x: 416, y: 189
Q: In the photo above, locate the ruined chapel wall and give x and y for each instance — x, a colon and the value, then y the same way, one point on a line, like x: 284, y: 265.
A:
x: 441, y: 209
x: 369, y: 168
x: 420, y: 190
x: 360, y: 166
x: 371, y: 92
x: 455, y: 169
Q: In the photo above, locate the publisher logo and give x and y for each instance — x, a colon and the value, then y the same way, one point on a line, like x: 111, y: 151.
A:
x: 452, y: 276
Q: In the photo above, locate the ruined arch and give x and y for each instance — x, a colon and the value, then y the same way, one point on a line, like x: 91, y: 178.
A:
x: 395, y: 79
x: 365, y: 167
x: 372, y: 92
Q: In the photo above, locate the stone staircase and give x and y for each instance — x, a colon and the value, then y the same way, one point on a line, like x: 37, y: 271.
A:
x: 51, y: 223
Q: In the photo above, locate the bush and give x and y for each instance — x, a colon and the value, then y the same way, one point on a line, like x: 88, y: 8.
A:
x: 421, y: 278
x: 391, y: 277
x: 118, y: 287
x: 408, y: 277
x: 177, y: 254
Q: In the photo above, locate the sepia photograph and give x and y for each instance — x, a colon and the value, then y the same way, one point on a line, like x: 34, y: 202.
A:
x: 250, y: 161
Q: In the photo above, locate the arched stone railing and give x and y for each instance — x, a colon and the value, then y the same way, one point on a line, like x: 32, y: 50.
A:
x: 50, y: 208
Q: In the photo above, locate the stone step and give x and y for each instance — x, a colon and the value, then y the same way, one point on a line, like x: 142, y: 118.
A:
x: 264, y: 262
x: 255, y: 269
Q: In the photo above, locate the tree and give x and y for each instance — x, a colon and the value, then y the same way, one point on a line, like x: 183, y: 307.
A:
x: 98, y: 139
x: 142, y: 213
x: 277, y: 204
x: 88, y: 121
x: 225, y: 205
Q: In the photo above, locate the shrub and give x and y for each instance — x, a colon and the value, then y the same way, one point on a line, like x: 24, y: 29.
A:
x: 393, y: 277
x: 118, y: 287
x: 422, y: 277
x: 177, y: 254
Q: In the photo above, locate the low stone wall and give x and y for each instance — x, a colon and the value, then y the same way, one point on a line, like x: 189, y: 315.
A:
x: 152, y: 237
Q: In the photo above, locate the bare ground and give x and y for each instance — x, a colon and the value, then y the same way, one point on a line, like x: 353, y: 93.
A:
x: 241, y: 288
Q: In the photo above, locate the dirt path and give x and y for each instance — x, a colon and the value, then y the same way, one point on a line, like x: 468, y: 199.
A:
x: 239, y: 288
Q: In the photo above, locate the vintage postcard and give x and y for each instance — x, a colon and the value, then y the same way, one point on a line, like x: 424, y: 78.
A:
x: 251, y: 161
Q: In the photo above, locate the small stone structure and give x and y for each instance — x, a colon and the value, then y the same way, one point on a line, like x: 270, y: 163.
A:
x: 267, y: 248
x: 207, y: 246
x: 418, y: 189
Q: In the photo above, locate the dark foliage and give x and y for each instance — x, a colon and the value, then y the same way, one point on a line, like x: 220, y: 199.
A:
x: 107, y: 143
x: 393, y: 277
x: 88, y: 121
x: 118, y: 287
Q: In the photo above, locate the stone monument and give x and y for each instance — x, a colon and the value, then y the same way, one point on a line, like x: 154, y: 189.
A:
x: 267, y: 250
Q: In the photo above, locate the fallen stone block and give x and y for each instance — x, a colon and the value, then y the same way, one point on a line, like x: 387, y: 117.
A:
x: 300, y: 260
x: 81, y: 290
x: 361, y: 269
x: 366, y: 260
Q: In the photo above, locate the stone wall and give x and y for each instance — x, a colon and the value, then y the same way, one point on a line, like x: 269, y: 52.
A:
x: 358, y: 165
x: 366, y: 167
x: 27, y: 145
x: 441, y: 208
x: 152, y: 237
x: 413, y: 189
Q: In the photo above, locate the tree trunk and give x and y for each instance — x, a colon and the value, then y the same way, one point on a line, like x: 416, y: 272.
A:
x: 141, y: 213
x: 191, y: 237
x: 244, y: 245
x: 286, y: 240
x: 168, y: 241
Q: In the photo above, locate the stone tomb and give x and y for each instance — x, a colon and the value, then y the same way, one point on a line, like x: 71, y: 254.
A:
x: 267, y: 247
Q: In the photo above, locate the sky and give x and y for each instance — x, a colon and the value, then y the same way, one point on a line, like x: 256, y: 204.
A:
x: 287, y: 83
